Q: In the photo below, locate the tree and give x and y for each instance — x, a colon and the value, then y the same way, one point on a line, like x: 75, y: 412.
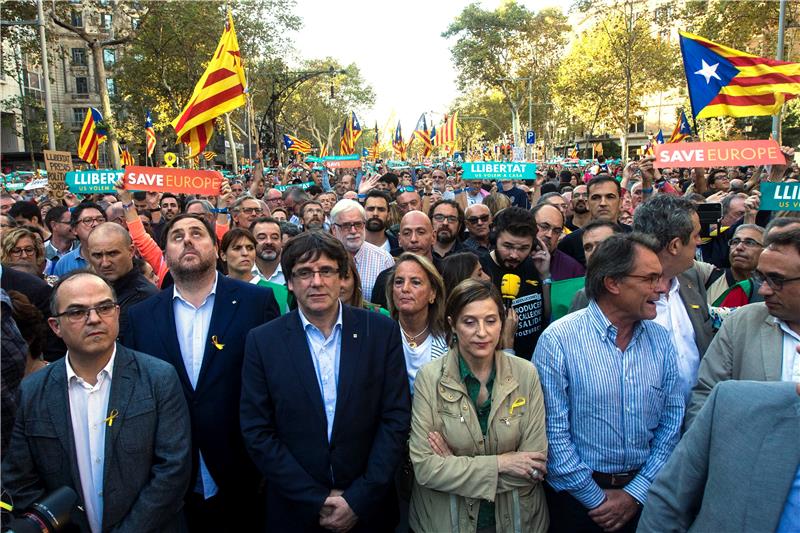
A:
x: 494, y: 49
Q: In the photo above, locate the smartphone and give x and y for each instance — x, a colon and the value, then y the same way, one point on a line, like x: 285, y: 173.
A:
x: 710, y: 215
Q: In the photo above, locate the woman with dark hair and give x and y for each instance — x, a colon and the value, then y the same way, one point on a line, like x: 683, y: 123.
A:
x: 478, y: 428
x: 350, y: 291
x: 415, y: 296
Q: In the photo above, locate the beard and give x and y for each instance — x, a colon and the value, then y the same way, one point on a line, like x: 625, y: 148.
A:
x: 444, y: 236
x: 375, y: 224
x: 267, y: 254
x: 191, y: 272
x: 580, y: 208
x: 313, y: 224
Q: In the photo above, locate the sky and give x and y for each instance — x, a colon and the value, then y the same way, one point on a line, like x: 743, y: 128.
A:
x: 400, y: 51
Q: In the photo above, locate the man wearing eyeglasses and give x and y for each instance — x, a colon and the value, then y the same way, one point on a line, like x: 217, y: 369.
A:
x: 478, y: 220
x: 731, y: 287
x: 549, y: 227
x: 85, y: 217
x: 349, y: 226
x: 109, y: 422
x: 325, y: 407
x: 760, y: 341
x: 447, y: 218
x: 245, y: 210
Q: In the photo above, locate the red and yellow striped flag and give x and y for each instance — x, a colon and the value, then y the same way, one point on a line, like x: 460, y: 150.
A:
x: 126, y: 158
x: 220, y: 90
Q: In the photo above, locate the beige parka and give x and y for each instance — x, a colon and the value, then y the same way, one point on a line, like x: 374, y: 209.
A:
x: 447, y: 491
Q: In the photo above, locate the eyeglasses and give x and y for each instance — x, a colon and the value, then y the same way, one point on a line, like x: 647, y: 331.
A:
x: 749, y: 243
x: 76, y: 315
x: 547, y: 227
x: 90, y: 221
x: 775, y: 283
x: 451, y: 219
x: 251, y: 210
x: 348, y: 226
x: 306, y: 274
x: 28, y: 250
x: 652, y: 279
x: 483, y: 218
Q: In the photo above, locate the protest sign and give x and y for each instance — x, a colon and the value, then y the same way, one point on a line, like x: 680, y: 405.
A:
x: 718, y: 154
x: 174, y: 180
x: 493, y: 170
x: 780, y: 196
x: 57, y: 165
x: 342, y: 163
x: 303, y: 186
x: 93, y: 181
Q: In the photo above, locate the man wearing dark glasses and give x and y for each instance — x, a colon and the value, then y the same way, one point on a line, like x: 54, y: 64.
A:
x: 478, y: 220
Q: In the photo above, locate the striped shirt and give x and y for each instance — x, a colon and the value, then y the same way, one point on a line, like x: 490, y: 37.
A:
x: 607, y: 410
x: 371, y: 261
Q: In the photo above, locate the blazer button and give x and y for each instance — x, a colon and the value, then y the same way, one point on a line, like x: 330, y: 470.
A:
x: 464, y: 407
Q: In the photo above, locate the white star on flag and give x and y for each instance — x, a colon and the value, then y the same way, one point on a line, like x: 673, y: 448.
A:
x: 709, y: 71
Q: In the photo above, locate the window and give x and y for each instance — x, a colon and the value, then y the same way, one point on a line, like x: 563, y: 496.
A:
x: 76, y: 19
x: 109, y: 57
x: 79, y: 114
x: 111, y: 86
x: 105, y: 21
x: 135, y: 23
x: 81, y: 85
x: 79, y: 56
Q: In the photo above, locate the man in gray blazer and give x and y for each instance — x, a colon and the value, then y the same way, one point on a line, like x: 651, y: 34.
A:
x: 759, y: 341
x: 109, y: 422
x: 736, y: 469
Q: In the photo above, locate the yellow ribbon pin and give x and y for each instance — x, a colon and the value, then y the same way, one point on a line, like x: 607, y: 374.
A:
x: 218, y: 345
x: 111, y: 416
x: 6, y: 506
x: 532, y: 282
x: 695, y: 307
x: 519, y: 402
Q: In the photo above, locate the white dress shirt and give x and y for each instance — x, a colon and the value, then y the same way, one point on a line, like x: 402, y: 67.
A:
x: 191, y: 327
x: 673, y: 316
x: 276, y: 277
x: 89, y: 410
x: 791, y: 359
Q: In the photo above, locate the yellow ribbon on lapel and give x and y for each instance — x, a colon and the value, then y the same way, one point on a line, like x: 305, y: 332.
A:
x: 218, y: 345
x: 111, y: 416
x: 519, y: 402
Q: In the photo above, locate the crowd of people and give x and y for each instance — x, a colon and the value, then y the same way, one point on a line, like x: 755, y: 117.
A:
x: 404, y: 350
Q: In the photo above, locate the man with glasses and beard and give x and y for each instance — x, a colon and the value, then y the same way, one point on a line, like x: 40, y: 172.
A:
x: 448, y: 220
x: 377, y: 208
x: 312, y: 215
x: 516, y: 238
x: 580, y: 209
x: 269, y: 245
x: 479, y: 223
x: 199, y: 326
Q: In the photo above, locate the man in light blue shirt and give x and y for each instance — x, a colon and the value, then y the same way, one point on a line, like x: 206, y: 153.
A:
x: 612, y: 394
x: 85, y: 217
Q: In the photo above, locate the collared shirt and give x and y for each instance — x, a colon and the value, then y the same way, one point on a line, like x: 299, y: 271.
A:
x: 276, y: 277
x: 191, y: 327
x: 371, y: 261
x: 790, y: 370
x: 790, y: 517
x: 607, y: 410
x: 673, y: 317
x: 89, y: 410
x: 69, y: 262
x: 325, y: 352
x: 51, y: 252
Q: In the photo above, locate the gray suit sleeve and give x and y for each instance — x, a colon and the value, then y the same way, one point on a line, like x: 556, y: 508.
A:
x: 716, y: 366
x: 677, y: 492
x: 162, y: 498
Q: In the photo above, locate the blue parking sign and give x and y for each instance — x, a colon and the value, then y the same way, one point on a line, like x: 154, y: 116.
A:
x: 531, y: 137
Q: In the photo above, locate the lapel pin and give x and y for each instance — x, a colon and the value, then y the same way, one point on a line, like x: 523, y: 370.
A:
x: 355, y: 335
x: 234, y: 302
x: 695, y: 307
x: 218, y: 345
x: 519, y: 402
x: 111, y: 416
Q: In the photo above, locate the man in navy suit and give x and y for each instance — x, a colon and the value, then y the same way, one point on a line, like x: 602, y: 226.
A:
x: 325, y: 408
x: 199, y: 325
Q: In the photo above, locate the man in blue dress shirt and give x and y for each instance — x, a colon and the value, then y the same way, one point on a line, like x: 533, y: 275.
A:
x: 610, y: 381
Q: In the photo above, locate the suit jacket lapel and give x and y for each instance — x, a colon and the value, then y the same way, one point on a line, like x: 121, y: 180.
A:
x: 225, y: 305
x: 122, y: 387
x: 164, y: 318
x: 304, y: 366
x: 776, y: 464
x: 771, y: 349
x: 58, y: 407
x: 694, y: 308
x: 349, y: 357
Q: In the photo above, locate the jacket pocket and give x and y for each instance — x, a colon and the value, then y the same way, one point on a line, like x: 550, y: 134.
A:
x: 137, y: 429
x: 47, y: 450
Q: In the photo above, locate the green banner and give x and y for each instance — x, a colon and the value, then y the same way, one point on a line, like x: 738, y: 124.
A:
x: 303, y: 186
x: 780, y: 196
x: 351, y: 157
x: 92, y: 181
x: 494, y: 170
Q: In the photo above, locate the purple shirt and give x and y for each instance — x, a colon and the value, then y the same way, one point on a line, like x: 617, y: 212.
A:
x: 563, y: 266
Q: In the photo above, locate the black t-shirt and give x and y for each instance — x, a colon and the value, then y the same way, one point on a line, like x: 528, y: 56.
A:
x: 529, y: 303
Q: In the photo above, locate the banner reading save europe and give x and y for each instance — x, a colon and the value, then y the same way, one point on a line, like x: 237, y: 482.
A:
x: 174, y: 180
x: 493, y: 170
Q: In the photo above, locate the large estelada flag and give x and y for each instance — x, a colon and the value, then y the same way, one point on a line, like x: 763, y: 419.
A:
x: 92, y: 134
x: 293, y: 144
x: 421, y: 132
x: 727, y: 82
x: 351, y: 131
x: 220, y: 90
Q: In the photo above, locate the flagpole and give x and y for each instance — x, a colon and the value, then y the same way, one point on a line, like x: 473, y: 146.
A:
x: 776, y: 119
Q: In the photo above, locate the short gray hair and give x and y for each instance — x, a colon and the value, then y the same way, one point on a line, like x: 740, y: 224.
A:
x: 789, y: 237
x: 75, y: 274
x: 615, y: 258
x: 205, y: 203
x: 754, y: 227
x: 665, y: 217
x: 342, y: 206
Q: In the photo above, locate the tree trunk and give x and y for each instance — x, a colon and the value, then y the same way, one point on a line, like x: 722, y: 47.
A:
x: 100, y: 70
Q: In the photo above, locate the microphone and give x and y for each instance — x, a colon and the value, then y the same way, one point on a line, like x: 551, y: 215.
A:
x: 509, y: 288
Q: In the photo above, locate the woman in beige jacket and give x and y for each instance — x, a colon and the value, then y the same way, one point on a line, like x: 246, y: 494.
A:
x: 478, y: 442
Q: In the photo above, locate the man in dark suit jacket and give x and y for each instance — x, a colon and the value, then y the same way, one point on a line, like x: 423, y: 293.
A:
x: 325, y: 401
x: 106, y: 421
x: 737, y: 468
x: 199, y: 326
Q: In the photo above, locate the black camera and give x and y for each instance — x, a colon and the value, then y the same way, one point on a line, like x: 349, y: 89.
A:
x: 48, y: 515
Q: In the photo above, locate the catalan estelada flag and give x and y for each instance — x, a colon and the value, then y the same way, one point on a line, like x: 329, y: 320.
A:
x: 682, y: 130
x: 323, y: 151
x: 573, y: 154
x: 126, y: 158
x: 421, y: 132
x: 150, y: 135
x: 374, y: 150
x: 208, y: 156
x: 660, y: 137
x: 92, y: 134
x: 398, y: 144
x: 724, y: 82
x: 434, y: 141
x: 220, y: 90
x: 293, y: 144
